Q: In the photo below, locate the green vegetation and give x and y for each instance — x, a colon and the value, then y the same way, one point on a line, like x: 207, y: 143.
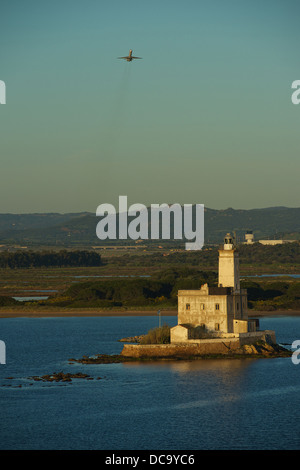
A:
x: 161, y: 291
x: 251, y: 256
x: 6, y: 301
x: 27, y: 259
x: 273, y: 295
x: 200, y: 332
x: 159, y: 335
x: 138, y: 280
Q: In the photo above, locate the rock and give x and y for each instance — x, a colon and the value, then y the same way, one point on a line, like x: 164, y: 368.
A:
x: 249, y: 349
x: 266, y: 349
x: 61, y: 377
x: 132, y: 339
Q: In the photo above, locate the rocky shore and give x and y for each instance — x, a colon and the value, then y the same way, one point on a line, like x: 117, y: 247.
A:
x: 157, y: 352
x: 102, y: 359
x: 181, y: 352
x: 132, y: 339
x: 61, y: 377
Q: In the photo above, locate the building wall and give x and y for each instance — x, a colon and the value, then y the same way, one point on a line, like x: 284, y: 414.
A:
x: 179, y: 334
x: 184, y: 334
x: 240, y: 326
x: 198, y: 347
x: 275, y: 242
x: 229, y: 275
x: 237, y: 308
x: 197, y: 308
x: 216, y: 312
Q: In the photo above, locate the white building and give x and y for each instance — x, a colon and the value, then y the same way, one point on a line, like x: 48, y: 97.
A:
x: 221, y: 311
x: 275, y: 242
x: 249, y: 238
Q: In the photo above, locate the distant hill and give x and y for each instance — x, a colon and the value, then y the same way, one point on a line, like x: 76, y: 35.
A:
x: 80, y: 228
x: 16, y: 222
x: 271, y: 222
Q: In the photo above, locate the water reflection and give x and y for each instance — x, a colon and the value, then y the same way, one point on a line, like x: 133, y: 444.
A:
x: 34, y: 297
x: 213, y: 365
x: 219, y: 385
x: 225, y: 375
x: 204, y: 365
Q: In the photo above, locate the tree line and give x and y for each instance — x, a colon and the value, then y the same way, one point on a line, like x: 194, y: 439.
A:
x: 162, y: 290
x: 255, y: 254
x: 62, y: 258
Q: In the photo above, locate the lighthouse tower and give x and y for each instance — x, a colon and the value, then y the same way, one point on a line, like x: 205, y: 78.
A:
x: 229, y: 272
x: 221, y: 310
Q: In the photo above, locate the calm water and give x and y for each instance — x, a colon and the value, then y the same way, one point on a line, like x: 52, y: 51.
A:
x: 296, y: 276
x: 209, y: 404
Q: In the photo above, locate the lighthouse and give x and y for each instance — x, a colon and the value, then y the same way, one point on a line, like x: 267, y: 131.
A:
x: 229, y: 272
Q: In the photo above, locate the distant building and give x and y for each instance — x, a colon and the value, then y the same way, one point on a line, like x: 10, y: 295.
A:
x: 275, y: 242
x: 249, y: 237
x: 221, y: 311
x: 249, y: 240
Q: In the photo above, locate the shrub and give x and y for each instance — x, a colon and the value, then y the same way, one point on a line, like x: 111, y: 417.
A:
x: 157, y: 336
x: 6, y: 301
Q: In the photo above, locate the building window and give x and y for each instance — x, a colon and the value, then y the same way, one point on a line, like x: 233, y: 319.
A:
x: 217, y: 326
x: 188, y: 307
x: 217, y: 306
x: 237, y: 306
x: 202, y: 306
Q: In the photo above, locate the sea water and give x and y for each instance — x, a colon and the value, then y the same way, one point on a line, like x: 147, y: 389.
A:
x: 170, y: 405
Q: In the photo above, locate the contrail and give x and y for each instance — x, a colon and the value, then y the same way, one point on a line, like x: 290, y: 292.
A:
x: 118, y: 115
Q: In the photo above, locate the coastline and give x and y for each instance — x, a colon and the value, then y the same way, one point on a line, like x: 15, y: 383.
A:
x: 14, y: 313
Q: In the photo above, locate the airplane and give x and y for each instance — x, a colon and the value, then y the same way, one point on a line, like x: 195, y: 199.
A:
x: 130, y: 57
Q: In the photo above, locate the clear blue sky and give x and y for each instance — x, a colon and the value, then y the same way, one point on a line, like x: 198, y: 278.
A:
x: 206, y: 117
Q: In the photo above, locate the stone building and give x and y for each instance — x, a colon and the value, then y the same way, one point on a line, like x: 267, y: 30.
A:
x: 220, y: 311
x: 213, y: 320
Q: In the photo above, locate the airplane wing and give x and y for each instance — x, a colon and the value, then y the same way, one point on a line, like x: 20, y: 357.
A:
x: 122, y: 57
x: 136, y: 57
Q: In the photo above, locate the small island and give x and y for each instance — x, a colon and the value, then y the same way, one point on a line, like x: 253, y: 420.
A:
x: 170, y: 352
x: 212, y: 322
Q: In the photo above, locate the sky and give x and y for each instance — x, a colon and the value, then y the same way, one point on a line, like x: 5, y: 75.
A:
x: 205, y: 117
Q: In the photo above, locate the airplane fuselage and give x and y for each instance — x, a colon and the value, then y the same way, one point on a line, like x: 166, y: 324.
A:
x: 129, y: 57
